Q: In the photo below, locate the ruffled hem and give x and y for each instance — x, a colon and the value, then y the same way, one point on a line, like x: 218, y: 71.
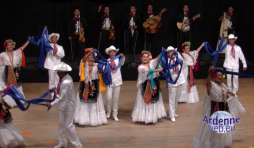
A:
x: 191, y: 97
x: 10, y: 136
x: 10, y: 101
x: 148, y: 113
x: 90, y: 114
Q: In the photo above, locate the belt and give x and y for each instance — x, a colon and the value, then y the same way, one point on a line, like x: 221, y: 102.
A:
x: 105, y: 28
x: 231, y: 28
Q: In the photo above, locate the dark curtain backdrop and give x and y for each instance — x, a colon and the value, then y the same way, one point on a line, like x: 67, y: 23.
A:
x: 21, y: 18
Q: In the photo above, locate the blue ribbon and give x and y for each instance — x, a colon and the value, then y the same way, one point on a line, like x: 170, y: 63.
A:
x: 167, y: 67
x: 106, y: 74
x: 44, y: 45
x: 235, y: 73
x: 18, y: 97
x: 214, y: 53
x: 152, y: 81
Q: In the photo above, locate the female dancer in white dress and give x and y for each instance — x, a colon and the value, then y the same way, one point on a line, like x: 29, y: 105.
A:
x: 217, y: 98
x: 10, y: 72
x: 149, y: 103
x: 10, y: 136
x: 89, y: 104
x: 189, y: 92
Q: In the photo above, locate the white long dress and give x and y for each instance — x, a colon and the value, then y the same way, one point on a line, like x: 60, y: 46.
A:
x: 206, y: 138
x: 10, y: 136
x: 143, y: 112
x: 4, y: 63
x: 91, y: 113
x: 192, y: 96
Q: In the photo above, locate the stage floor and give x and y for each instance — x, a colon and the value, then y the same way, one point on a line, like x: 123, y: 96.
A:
x: 40, y: 127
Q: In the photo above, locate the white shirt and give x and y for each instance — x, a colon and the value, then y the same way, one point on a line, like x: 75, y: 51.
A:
x: 106, y: 23
x: 66, y: 99
x: 77, y: 25
x: 181, y: 79
x: 117, y: 77
x: 187, y: 28
x: 188, y: 60
x: 52, y: 60
x: 229, y: 23
x: 233, y: 63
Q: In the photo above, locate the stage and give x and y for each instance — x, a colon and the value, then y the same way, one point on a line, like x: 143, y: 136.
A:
x: 40, y: 127
x: 32, y: 74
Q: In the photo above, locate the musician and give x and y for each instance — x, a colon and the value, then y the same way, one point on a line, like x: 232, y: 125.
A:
x: 76, y: 24
x: 232, y: 19
x: 106, y: 22
x: 184, y: 34
x: 150, y: 38
x: 132, y: 22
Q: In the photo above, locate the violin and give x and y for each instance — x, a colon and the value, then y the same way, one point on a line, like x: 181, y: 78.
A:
x: 111, y: 34
x: 81, y: 35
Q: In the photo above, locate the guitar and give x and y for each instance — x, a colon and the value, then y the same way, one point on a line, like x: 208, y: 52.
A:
x: 153, y: 24
x: 223, y: 32
x: 181, y: 26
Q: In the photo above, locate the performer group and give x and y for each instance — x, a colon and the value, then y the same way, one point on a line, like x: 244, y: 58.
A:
x: 99, y: 74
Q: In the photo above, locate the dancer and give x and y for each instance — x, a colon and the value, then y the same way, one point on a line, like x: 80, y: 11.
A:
x: 53, y: 58
x: 233, y: 53
x: 174, y: 90
x: 90, y: 110
x: 10, y: 72
x: 116, y: 83
x: 217, y: 94
x: 66, y: 102
x: 10, y: 136
x: 149, y: 103
x: 189, y: 92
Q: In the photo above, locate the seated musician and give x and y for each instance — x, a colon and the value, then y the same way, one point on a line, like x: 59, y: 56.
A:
x: 232, y: 20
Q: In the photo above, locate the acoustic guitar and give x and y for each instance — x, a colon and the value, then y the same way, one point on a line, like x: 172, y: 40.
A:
x: 154, y: 23
x: 223, y: 31
x: 181, y: 26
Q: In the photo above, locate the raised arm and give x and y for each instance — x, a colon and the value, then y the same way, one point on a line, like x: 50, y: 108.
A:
x: 208, y: 80
x: 27, y: 42
x: 200, y: 47
x: 85, y: 57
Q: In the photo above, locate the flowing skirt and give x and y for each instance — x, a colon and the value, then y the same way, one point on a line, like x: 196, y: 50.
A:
x: 10, y: 136
x: 91, y: 114
x: 10, y: 101
x: 205, y: 138
x: 147, y: 113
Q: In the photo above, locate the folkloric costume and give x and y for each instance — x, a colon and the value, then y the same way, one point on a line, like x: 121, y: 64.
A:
x: 189, y: 92
x: 231, y: 63
x: 90, y: 110
x: 66, y: 101
x: 53, y: 59
x: 115, y: 87
x: 10, y: 136
x: 10, y: 71
x: 174, y: 90
x: 149, y: 105
x: 216, y: 99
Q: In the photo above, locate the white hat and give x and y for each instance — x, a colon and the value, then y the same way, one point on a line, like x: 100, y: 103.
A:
x: 111, y: 48
x: 52, y: 34
x: 62, y: 67
x: 231, y: 36
x: 170, y: 48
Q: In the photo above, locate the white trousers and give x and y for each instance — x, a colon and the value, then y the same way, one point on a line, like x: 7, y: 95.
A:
x: 67, y: 129
x: 174, y: 95
x: 53, y: 79
x: 235, y: 82
x: 115, y: 92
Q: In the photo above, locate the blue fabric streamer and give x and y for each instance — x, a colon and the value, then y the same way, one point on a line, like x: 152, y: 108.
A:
x: 44, y: 45
x: 235, y: 73
x: 214, y: 53
x: 106, y: 74
x: 167, y: 67
x: 152, y: 81
x: 18, y: 97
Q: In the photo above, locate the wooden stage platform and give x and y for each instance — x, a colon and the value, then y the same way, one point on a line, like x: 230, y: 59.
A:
x: 40, y: 127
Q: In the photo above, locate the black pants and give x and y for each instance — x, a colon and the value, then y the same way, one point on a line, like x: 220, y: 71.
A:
x: 183, y: 37
x: 77, y: 47
x: 150, y: 39
x: 231, y: 31
x: 104, y: 42
x: 130, y: 41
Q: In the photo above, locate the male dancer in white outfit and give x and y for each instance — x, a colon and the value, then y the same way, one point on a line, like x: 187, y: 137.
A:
x: 174, y: 90
x: 53, y: 58
x: 66, y: 102
x: 233, y: 53
x: 116, y: 83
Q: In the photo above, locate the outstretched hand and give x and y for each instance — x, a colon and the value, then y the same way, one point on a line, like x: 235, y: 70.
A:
x: 48, y: 105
